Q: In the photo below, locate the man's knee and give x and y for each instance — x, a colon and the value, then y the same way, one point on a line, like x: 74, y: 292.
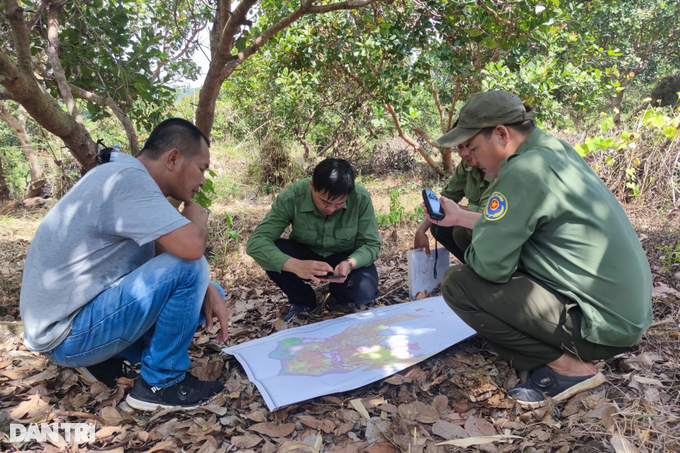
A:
x: 462, y: 237
x: 189, y: 272
x: 454, y: 283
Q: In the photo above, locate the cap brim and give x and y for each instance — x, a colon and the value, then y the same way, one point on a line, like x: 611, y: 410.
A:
x: 456, y: 136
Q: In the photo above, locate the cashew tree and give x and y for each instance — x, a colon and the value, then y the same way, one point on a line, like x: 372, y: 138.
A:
x: 66, y: 62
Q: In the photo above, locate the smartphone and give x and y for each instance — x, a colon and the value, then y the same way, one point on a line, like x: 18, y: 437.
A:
x: 332, y: 276
x: 434, y: 207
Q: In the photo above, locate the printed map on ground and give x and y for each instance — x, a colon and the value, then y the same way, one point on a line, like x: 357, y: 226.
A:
x: 345, y: 353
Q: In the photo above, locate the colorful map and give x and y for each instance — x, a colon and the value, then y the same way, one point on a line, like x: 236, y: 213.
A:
x: 348, y: 352
x: 368, y: 346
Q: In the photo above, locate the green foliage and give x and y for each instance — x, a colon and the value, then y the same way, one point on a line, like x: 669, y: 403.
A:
x: 634, y: 156
x: 14, y: 164
x: 396, y: 214
x: 129, y: 50
x: 671, y: 256
x: 231, y: 234
x: 206, y: 192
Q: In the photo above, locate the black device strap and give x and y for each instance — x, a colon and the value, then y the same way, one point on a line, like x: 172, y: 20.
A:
x: 104, y: 154
x: 436, y: 251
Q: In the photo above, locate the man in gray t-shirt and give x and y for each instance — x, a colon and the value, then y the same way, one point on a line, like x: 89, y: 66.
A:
x: 115, y: 272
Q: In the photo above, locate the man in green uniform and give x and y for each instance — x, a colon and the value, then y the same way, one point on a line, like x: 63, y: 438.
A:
x: 470, y: 182
x: 333, y: 231
x: 555, y: 276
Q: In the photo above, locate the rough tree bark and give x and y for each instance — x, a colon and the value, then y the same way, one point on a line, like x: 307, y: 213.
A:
x: 19, y: 126
x: 223, y: 37
x: 19, y: 80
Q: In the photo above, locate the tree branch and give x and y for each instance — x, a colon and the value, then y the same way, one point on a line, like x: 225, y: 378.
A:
x: 320, y: 9
x: 435, y: 94
x: 36, y: 16
x: 115, y: 108
x: 6, y: 96
x: 20, y: 33
x: 453, y: 105
x: 232, y: 25
x: 425, y: 136
x: 53, y: 58
x: 188, y: 44
x: 410, y: 141
x: 494, y: 14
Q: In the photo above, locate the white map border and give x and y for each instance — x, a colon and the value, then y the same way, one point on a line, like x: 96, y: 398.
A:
x: 445, y: 330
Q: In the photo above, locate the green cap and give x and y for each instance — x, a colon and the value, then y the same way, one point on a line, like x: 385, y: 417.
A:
x: 487, y: 109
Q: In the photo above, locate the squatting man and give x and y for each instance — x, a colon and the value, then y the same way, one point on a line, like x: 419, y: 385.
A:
x: 115, y: 273
x: 555, y: 276
x: 334, y: 238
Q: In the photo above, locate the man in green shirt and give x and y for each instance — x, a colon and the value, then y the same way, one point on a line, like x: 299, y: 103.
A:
x: 333, y: 231
x: 467, y: 181
x: 555, y: 276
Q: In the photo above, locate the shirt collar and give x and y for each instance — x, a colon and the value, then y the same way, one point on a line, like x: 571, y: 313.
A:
x: 476, y: 172
x: 308, y: 205
x: 530, y: 142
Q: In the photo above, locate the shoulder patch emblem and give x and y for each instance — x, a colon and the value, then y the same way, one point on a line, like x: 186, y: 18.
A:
x: 496, y: 208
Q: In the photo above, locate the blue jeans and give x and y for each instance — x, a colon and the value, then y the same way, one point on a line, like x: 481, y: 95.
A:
x: 149, y: 316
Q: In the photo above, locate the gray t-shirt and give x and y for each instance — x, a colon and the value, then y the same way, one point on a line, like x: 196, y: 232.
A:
x: 101, y: 230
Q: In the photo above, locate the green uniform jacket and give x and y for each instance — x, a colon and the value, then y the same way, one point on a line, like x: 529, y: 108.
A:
x: 550, y: 216
x: 351, y: 229
x: 467, y: 182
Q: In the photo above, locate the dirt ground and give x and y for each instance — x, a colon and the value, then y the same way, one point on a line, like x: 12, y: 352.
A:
x: 457, y: 396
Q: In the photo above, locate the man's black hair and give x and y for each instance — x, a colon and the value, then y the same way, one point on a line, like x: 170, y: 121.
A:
x: 334, y: 177
x: 525, y: 127
x: 174, y: 133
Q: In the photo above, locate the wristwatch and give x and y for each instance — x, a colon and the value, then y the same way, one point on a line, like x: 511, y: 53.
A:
x: 351, y: 266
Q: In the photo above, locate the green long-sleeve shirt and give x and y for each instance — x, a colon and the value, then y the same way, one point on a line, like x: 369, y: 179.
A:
x: 351, y: 229
x: 468, y: 182
x: 552, y: 217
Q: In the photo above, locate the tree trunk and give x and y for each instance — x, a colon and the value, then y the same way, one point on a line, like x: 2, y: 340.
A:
x: 18, y: 78
x: 4, y: 190
x: 19, y: 126
x: 222, y: 38
x: 447, y: 160
x: 616, y: 106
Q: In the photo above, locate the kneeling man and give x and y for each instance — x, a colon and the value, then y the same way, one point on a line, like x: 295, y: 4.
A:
x: 334, y: 231
x: 555, y: 276
x: 114, y: 272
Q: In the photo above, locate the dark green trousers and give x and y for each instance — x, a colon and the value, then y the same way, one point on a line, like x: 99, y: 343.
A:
x: 526, y: 323
x: 455, y: 239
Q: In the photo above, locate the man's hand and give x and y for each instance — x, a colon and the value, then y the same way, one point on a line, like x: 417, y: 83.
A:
x: 307, y: 269
x: 195, y: 212
x: 452, y: 213
x: 344, y: 268
x: 214, y: 306
x: 421, y: 241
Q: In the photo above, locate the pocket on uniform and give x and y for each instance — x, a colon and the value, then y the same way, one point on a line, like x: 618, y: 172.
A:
x: 346, y: 238
x: 98, y: 354
x: 304, y: 235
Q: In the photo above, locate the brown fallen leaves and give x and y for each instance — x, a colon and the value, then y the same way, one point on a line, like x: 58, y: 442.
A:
x: 457, y: 396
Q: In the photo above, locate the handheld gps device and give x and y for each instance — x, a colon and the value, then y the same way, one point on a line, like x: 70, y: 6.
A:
x: 434, y: 207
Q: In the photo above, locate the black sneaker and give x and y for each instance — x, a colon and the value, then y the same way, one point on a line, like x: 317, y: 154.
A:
x: 107, y: 371
x: 544, y: 382
x: 296, y: 309
x: 188, y: 393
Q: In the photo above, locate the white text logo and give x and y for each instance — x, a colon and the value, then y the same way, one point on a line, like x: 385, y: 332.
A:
x: 79, y: 432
